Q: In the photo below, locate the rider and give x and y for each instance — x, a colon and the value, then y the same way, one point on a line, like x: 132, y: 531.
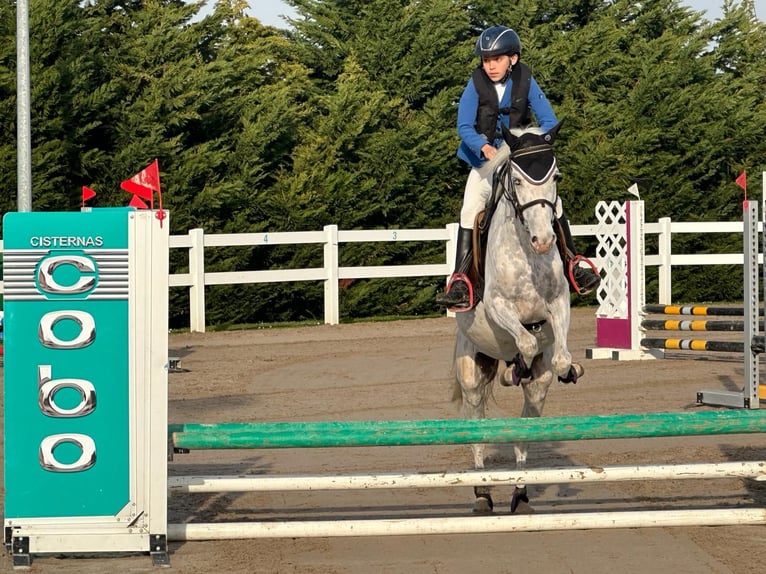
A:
x: 479, y: 128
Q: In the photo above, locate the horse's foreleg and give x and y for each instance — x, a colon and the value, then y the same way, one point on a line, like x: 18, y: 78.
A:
x: 535, y: 392
x: 561, y: 359
x: 475, y: 372
x: 506, y: 317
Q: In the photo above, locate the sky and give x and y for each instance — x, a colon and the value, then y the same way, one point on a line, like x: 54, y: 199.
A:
x: 268, y: 11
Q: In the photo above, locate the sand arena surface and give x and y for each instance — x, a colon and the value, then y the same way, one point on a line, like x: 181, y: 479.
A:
x: 401, y: 370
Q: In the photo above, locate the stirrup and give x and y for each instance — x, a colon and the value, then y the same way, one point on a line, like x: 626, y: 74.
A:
x: 471, y: 301
x: 572, y: 265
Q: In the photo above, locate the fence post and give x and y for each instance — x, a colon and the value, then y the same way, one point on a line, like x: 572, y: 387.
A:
x: 331, y: 288
x: 197, y: 273
x: 664, y: 248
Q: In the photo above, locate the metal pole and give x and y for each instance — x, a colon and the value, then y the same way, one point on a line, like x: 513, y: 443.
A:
x: 23, y: 130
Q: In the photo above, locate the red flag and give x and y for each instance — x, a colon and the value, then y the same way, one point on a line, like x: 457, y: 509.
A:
x: 137, y: 203
x: 144, y: 182
x: 143, y: 185
x: 136, y: 189
x: 87, y: 193
x: 742, y: 180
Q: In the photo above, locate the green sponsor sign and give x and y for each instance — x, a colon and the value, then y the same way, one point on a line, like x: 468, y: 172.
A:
x: 66, y: 365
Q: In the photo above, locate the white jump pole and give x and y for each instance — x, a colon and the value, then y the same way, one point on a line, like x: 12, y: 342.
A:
x: 467, y: 524
x: 199, y: 484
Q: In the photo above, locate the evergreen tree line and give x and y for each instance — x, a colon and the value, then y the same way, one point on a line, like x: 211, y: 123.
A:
x: 347, y: 117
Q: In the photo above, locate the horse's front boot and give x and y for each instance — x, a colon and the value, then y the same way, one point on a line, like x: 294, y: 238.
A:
x: 520, y: 501
x: 483, y: 503
x: 576, y: 370
x: 516, y: 372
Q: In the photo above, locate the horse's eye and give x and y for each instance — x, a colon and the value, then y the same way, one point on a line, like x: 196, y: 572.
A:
x: 516, y: 181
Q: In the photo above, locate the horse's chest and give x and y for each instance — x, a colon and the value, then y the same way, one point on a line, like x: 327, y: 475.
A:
x: 492, y: 339
x: 531, y: 286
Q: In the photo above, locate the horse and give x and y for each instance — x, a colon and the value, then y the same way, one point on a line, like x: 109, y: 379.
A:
x: 517, y: 332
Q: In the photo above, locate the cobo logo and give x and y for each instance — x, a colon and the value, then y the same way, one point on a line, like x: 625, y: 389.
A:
x: 59, y: 277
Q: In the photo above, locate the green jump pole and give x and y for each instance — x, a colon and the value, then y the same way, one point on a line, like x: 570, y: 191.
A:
x: 462, y: 431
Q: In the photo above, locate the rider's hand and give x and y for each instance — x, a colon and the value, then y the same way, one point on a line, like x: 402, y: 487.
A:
x: 488, y: 150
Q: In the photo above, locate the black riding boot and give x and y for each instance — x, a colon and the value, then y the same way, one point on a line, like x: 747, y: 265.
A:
x: 582, y: 281
x: 458, y: 294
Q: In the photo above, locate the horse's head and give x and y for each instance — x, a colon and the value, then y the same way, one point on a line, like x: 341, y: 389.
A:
x: 530, y: 176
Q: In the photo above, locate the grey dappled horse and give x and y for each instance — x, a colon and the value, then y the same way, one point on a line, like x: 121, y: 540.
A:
x: 517, y: 333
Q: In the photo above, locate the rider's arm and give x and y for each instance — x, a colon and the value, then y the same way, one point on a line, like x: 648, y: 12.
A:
x: 466, y: 120
x: 541, y: 107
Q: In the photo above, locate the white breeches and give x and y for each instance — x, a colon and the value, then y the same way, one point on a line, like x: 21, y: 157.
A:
x: 478, y: 188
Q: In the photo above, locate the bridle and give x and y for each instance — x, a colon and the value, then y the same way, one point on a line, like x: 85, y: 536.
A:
x: 541, y: 174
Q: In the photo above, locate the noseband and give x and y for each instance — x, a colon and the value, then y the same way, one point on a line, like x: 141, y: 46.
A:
x: 536, y: 164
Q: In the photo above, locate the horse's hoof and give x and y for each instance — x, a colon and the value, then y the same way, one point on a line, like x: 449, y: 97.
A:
x: 520, y: 502
x: 483, y: 505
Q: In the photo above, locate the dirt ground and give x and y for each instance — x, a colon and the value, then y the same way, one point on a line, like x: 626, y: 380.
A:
x: 401, y: 370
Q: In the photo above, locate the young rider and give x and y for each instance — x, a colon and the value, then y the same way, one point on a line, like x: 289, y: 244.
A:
x: 487, y: 100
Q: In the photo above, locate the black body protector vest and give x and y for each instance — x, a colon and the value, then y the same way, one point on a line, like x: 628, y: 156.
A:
x: 489, y: 110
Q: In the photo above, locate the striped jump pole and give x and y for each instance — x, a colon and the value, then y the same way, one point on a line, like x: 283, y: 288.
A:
x: 695, y: 345
x: 680, y: 325
x: 700, y: 310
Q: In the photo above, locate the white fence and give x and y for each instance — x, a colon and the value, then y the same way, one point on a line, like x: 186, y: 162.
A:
x: 332, y: 239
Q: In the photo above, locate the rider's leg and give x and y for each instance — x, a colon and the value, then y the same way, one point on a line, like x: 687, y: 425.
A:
x: 582, y: 280
x: 458, y: 295
x: 478, y: 186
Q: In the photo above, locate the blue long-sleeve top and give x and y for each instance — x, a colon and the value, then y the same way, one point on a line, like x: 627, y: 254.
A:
x: 472, y: 141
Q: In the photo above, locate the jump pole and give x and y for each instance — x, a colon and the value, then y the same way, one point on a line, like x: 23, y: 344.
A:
x: 467, y: 524
x: 755, y: 470
x: 324, y: 434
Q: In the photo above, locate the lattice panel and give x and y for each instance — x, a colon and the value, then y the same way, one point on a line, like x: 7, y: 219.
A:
x: 611, y: 233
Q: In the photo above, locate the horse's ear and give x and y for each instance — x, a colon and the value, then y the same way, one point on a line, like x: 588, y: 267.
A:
x: 509, y: 138
x: 550, y: 136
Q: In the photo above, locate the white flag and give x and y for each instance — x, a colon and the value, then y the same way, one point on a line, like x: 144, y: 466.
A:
x: 634, y: 190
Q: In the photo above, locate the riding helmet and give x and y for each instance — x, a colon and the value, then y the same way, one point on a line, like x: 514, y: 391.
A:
x: 496, y: 41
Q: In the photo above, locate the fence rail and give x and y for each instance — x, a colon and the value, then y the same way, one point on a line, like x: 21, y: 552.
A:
x: 331, y: 238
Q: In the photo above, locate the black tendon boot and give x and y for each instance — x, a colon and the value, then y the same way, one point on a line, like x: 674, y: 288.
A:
x: 459, y: 293
x: 582, y: 281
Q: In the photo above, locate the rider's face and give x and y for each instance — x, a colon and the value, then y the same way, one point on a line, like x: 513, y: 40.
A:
x: 497, y: 66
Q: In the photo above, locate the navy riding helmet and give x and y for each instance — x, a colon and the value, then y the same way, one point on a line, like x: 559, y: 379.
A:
x: 496, y: 41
